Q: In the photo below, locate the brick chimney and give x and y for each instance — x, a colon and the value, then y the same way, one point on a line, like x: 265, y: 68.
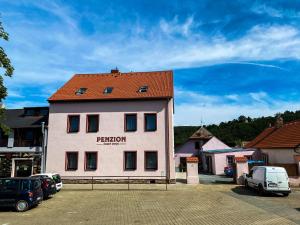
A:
x: 116, y: 70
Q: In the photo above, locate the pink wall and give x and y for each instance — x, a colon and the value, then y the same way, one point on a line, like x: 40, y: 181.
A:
x: 219, y: 160
x: 110, y: 158
x: 188, y: 148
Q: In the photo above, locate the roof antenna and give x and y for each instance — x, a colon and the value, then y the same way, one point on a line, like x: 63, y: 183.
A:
x: 201, y: 122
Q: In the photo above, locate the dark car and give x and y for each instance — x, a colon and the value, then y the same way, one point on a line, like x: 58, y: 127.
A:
x: 228, y: 170
x: 21, y: 193
x: 48, y: 185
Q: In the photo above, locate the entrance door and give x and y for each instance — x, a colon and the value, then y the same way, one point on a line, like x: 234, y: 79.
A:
x: 23, y: 168
x: 208, y: 160
x: 182, y: 165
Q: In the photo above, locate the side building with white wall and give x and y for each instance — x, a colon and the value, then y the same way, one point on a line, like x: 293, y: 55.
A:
x: 113, y: 124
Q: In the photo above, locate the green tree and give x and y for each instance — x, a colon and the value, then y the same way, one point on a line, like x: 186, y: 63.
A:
x: 8, y: 71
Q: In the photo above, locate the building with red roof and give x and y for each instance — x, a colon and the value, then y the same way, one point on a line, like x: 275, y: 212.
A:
x: 280, y: 145
x: 113, y: 124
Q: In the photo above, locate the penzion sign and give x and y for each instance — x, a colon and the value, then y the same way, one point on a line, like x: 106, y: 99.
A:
x: 119, y: 140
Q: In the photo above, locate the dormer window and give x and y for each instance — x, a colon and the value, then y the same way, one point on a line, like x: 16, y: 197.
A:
x: 80, y: 91
x: 108, y: 90
x: 143, y: 89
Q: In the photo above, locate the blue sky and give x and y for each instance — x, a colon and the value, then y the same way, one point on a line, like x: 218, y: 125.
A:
x: 229, y: 58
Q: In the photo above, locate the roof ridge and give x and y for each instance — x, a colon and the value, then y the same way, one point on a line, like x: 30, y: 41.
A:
x: 120, y: 73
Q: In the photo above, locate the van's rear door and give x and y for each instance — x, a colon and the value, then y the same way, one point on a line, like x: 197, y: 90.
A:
x: 272, y: 181
x: 282, y: 181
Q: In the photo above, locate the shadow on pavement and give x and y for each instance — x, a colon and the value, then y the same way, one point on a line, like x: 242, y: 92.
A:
x: 7, y: 209
x: 241, y: 190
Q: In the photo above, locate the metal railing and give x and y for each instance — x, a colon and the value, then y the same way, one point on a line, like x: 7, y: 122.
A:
x: 124, y: 180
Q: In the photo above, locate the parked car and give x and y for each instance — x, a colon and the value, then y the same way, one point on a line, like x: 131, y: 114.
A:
x: 268, y: 179
x: 56, y: 177
x: 228, y: 171
x: 48, y: 185
x: 21, y: 193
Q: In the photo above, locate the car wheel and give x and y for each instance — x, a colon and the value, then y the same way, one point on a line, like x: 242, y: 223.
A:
x: 286, y: 194
x: 260, y: 190
x: 22, y: 206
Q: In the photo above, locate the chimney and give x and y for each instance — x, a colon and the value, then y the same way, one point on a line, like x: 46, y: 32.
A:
x: 116, y: 70
x: 279, y: 121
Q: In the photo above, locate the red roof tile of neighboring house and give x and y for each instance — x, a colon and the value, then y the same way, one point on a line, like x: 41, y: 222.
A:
x: 240, y: 159
x: 125, y: 86
x: 286, y: 136
x: 192, y: 159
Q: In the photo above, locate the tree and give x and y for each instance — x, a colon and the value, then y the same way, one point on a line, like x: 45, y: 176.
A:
x: 8, y: 71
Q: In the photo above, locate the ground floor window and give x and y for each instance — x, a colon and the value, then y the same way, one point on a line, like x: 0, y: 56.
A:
x: 130, y: 160
x: 151, y: 160
x: 230, y: 160
x: 71, y: 160
x: 90, y: 160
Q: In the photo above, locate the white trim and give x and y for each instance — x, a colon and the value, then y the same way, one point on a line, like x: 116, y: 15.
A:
x: 14, y: 165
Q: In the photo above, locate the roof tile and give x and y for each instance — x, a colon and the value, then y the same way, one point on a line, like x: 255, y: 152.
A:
x: 287, y: 136
x: 125, y: 86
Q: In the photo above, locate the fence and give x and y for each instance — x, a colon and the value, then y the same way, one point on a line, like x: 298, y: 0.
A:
x: 128, y: 180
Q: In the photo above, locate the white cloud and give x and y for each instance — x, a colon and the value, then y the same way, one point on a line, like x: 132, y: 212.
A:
x: 259, y: 96
x: 233, y: 97
x: 174, y: 27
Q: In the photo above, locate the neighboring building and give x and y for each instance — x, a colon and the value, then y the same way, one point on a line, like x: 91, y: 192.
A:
x: 113, y: 124
x: 21, y: 150
x: 280, y: 145
x: 201, y: 141
x: 217, y: 160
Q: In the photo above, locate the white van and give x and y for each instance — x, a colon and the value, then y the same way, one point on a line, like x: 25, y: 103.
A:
x: 268, y: 179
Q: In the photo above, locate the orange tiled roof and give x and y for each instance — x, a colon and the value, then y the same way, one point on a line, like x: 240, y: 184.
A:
x: 287, y: 136
x: 192, y: 159
x: 125, y: 86
x: 240, y: 159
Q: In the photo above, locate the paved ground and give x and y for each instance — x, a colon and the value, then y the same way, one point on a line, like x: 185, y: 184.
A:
x: 181, y: 204
x: 214, y: 179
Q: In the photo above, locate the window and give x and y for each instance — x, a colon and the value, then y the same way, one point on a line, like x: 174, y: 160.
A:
x: 71, y: 160
x: 197, y: 145
x: 230, y: 160
x: 150, y: 160
x: 28, y: 135
x: 143, y: 89
x: 30, y: 112
x: 81, y: 91
x: 130, y: 160
x: 130, y: 122
x: 90, y: 160
x: 92, y: 123
x: 73, y: 124
x: 150, y: 122
x: 108, y: 90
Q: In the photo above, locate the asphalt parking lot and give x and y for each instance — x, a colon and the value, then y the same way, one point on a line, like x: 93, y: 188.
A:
x: 181, y: 204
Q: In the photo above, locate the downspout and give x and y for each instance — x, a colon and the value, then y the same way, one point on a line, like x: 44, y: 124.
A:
x: 167, y: 142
